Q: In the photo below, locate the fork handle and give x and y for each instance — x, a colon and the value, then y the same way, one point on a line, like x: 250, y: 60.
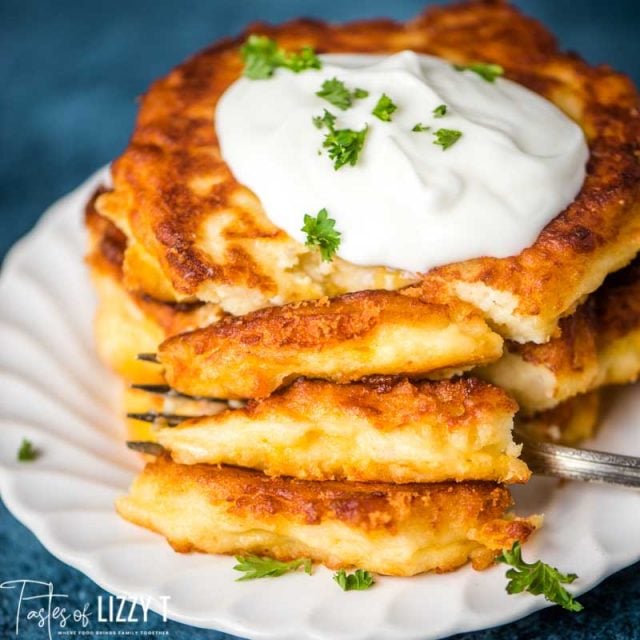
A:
x: 585, y: 465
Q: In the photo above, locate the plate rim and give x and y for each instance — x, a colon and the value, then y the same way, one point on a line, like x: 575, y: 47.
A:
x: 35, y: 521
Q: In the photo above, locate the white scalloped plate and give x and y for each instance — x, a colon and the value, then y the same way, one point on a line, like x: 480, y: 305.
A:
x: 54, y: 391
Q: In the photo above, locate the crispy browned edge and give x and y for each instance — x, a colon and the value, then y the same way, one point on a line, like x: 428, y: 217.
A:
x: 569, y: 423
x: 314, y: 323
x: 365, y: 505
x: 105, y: 255
x: 616, y: 307
x: 389, y: 402
x: 174, y: 142
x: 254, y: 354
x: 609, y: 313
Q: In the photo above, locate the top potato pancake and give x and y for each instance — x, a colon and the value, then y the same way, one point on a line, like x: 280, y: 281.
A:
x: 196, y: 233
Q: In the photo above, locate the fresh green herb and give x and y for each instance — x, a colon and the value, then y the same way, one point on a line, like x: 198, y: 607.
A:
x: 321, y: 233
x: 446, y: 137
x: 440, y: 111
x: 344, y: 145
x: 262, y: 56
x: 384, y: 108
x: 538, y: 578
x: 302, y: 60
x: 336, y: 92
x: 357, y: 581
x: 27, y: 451
x: 420, y: 127
x: 261, y: 567
x: 485, y: 70
x: 327, y: 119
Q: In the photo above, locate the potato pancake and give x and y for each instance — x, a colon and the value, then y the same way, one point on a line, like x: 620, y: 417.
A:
x: 340, y: 339
x: 194, y: 232
x: 384, y: 429
x: 391, y: 529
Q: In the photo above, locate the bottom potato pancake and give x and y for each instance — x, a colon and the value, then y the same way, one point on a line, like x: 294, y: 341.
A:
x: 384, y: 429
x: 390, y: 529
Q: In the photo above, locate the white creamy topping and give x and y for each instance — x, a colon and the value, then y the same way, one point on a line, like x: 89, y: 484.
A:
x: 407, y: 203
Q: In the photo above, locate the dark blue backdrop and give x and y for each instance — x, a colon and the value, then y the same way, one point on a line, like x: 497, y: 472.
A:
x: 69, y: 75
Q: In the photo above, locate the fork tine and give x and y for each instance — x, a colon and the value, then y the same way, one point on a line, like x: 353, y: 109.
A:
x: 166, y: 390
x: 168, y: 419
x: 148, y: 357
x: 160, y: 389
x: 143, y: 446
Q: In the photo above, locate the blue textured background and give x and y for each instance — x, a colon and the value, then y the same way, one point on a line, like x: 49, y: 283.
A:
x: 69, y: 75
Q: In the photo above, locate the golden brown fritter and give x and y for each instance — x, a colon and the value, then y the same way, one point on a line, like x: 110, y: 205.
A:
x: 340, y: 339
x: 386, y: 528
x: 598, y: 345
x: 385, y: 429
x: 195, y: 233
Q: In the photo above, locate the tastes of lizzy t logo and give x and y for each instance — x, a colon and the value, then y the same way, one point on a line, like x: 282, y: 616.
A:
x: 38, y: 606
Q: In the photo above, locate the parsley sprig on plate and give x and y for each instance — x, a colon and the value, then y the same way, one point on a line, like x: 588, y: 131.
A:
x: 255, y: 567
x: 336, y: 92
x: 538, y: 578
x: 27, y: 452
x: 262, y: 56
x: 321, y: 233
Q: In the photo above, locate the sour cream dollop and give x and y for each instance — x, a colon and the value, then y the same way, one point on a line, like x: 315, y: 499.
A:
x: 407, y: 203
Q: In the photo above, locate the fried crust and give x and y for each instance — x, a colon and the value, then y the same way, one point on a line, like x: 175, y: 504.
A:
x: 340, y: 339
x: 598, y: 345
x: 126, y: 323
x: 389, y: 529
x: 196, y: 233
x: 384, y: 429
x: 569, y: 424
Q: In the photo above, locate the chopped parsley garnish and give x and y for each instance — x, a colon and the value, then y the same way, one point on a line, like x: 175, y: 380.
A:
x: 384, y: 108
x: 440, y: 111
x: 327, y: 119
x: 335, y: 92
x: 262, y: 56
x: 321, y: 233
x: 344, y: 145
x: 420, y: 127
x: 27, y: 451
x: 357, y: 581
x: 262, y: 567
x: 486, y: 70
x: 446, y: 137
x: 538, y: 578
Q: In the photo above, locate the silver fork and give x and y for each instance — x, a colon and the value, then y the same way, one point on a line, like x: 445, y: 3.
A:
x: 586, y: 465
